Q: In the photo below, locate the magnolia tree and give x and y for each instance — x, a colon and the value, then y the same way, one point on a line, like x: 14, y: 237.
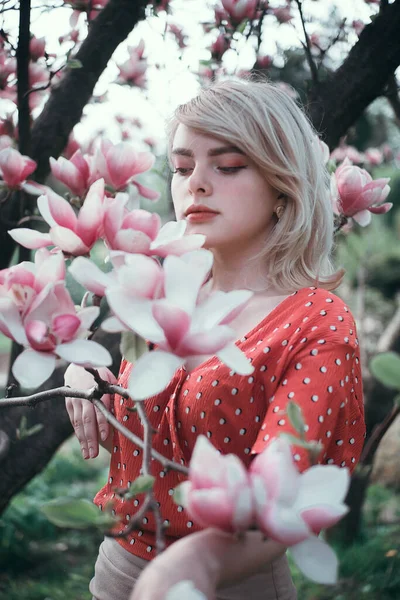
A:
x: 169, y: 306
x: 37, y: 311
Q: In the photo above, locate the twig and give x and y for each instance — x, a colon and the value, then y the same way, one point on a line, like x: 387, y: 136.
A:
x: 378, y: 433
x: 92, y: 395
x: 307, y: 46
x: 392, y: 330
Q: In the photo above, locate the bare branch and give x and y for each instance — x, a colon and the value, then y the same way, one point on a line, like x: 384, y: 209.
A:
x: 307, y: 45
x: 93, y: 396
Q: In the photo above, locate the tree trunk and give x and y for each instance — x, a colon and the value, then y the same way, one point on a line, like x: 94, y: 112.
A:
x: 21, y: 460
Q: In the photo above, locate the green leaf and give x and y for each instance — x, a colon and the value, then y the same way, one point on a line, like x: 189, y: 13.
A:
x: 386, y: 369
x: 178, y: 494
x: 74, y: 63
x: 141, y: 485
x: 242, y: 26
x: 309, y: 446
x: 295, y: 417
x: 35, y: 429
x: 76, y: 513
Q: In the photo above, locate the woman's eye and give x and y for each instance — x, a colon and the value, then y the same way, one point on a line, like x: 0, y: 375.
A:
x: 231, y: 169
x: 181, y: 170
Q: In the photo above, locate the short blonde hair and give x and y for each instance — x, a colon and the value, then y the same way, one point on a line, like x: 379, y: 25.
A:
x: 269, y: 127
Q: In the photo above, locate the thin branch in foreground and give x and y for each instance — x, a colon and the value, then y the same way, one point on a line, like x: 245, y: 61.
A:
x: 93, y: 395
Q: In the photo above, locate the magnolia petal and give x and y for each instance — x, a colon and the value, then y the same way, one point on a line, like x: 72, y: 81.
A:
x: 34, y: 188
x: 57, y: 211
x: 283, y: 525
x: 152, y: 373
x: 270, y: 464
x: 207, y: 342
x: 220, y: 308
x: 316, y: 560
x: 90, y: 216
x: 382, y: 209
x: 10, y: 321
x: 32, y: 368
x: 182, y: 283
x: 136, y: 314
x: 323, y: 516
x: 129, y: 240
x: 178, y: 247
x: 85, y: 352
x: 145, y: 191
x: 87, y: 316
x: 206, y: 465
x: 174, y: 321
x: 211, y: 508
x: 68, y: 241
x: 322, y: 484
x: 235, y: 359
x: 171, y: 231
x: 29, y: 238
x: 50, y: 270
x: 243, y: 510
x: 141, y: 276
x: 88, y: 274
x: 363, y: 218
x: 113, y: 325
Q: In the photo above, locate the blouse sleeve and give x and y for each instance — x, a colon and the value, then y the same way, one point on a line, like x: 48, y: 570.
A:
x: 324, y: 380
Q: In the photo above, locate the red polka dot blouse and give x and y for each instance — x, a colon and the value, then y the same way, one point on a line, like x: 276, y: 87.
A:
x: 305, y: 350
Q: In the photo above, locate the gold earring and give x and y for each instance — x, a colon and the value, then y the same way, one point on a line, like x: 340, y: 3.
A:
x: 279, y: 211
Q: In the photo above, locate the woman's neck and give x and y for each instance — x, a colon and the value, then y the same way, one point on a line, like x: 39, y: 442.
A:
x: 233, y: 272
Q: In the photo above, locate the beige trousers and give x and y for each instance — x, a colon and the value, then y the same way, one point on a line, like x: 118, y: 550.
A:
x: 117, y: 570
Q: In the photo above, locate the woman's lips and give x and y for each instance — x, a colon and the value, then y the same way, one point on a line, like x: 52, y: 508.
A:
x: 201, y: 216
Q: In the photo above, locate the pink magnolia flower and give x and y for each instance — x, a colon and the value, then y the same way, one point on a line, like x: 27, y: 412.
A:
x: 22, y: 282
x: 218, y: 492
x: 355, y: 194
x: 282, y: 14
x: 71, y: 233
x: 342, y: 152
x: 119, y: 164
x: 74, y: 173
x: 15, y: 168
x: 264, y: 61
x: 179, y: 324
x: 292, y: 508
x: 238, y: 10
x: 221, y: 45
x: 140, y: 231
x: 373, y: 156
x: 5, y: 142
x: 358, y: 26
x: 133, y: 70
x: 51, y: 328
x: 37, y: 47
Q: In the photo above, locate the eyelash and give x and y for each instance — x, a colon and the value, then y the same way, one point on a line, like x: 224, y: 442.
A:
x: 225, y: 170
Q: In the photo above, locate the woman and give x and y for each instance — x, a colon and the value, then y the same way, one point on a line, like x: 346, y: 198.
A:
x: 248, y: 173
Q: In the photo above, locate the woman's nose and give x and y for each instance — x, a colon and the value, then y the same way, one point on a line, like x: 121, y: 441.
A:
x: 199, y: 183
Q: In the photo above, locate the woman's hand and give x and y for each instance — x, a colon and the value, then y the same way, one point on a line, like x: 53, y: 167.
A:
x: 89, y: 424
x: 192, y: 557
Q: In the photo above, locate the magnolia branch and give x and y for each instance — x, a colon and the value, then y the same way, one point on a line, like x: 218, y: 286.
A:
x: 307, y: 45
x: 93, y: 395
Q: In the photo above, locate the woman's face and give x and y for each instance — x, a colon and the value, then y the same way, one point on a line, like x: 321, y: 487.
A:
x: 220, y: 192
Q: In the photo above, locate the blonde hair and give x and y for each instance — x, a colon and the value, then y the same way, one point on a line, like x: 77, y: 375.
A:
x: 269, y: 127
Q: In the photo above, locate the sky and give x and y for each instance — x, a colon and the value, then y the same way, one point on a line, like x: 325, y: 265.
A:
x: 172, y: 82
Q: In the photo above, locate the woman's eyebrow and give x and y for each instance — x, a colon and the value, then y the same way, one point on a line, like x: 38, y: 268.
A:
x: 212, y: 152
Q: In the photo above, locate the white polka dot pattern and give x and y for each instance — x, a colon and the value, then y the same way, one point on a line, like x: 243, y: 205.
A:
x: 304, y: 351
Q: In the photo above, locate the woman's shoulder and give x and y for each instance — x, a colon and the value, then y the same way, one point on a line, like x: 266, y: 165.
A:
x: 312, y: 313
